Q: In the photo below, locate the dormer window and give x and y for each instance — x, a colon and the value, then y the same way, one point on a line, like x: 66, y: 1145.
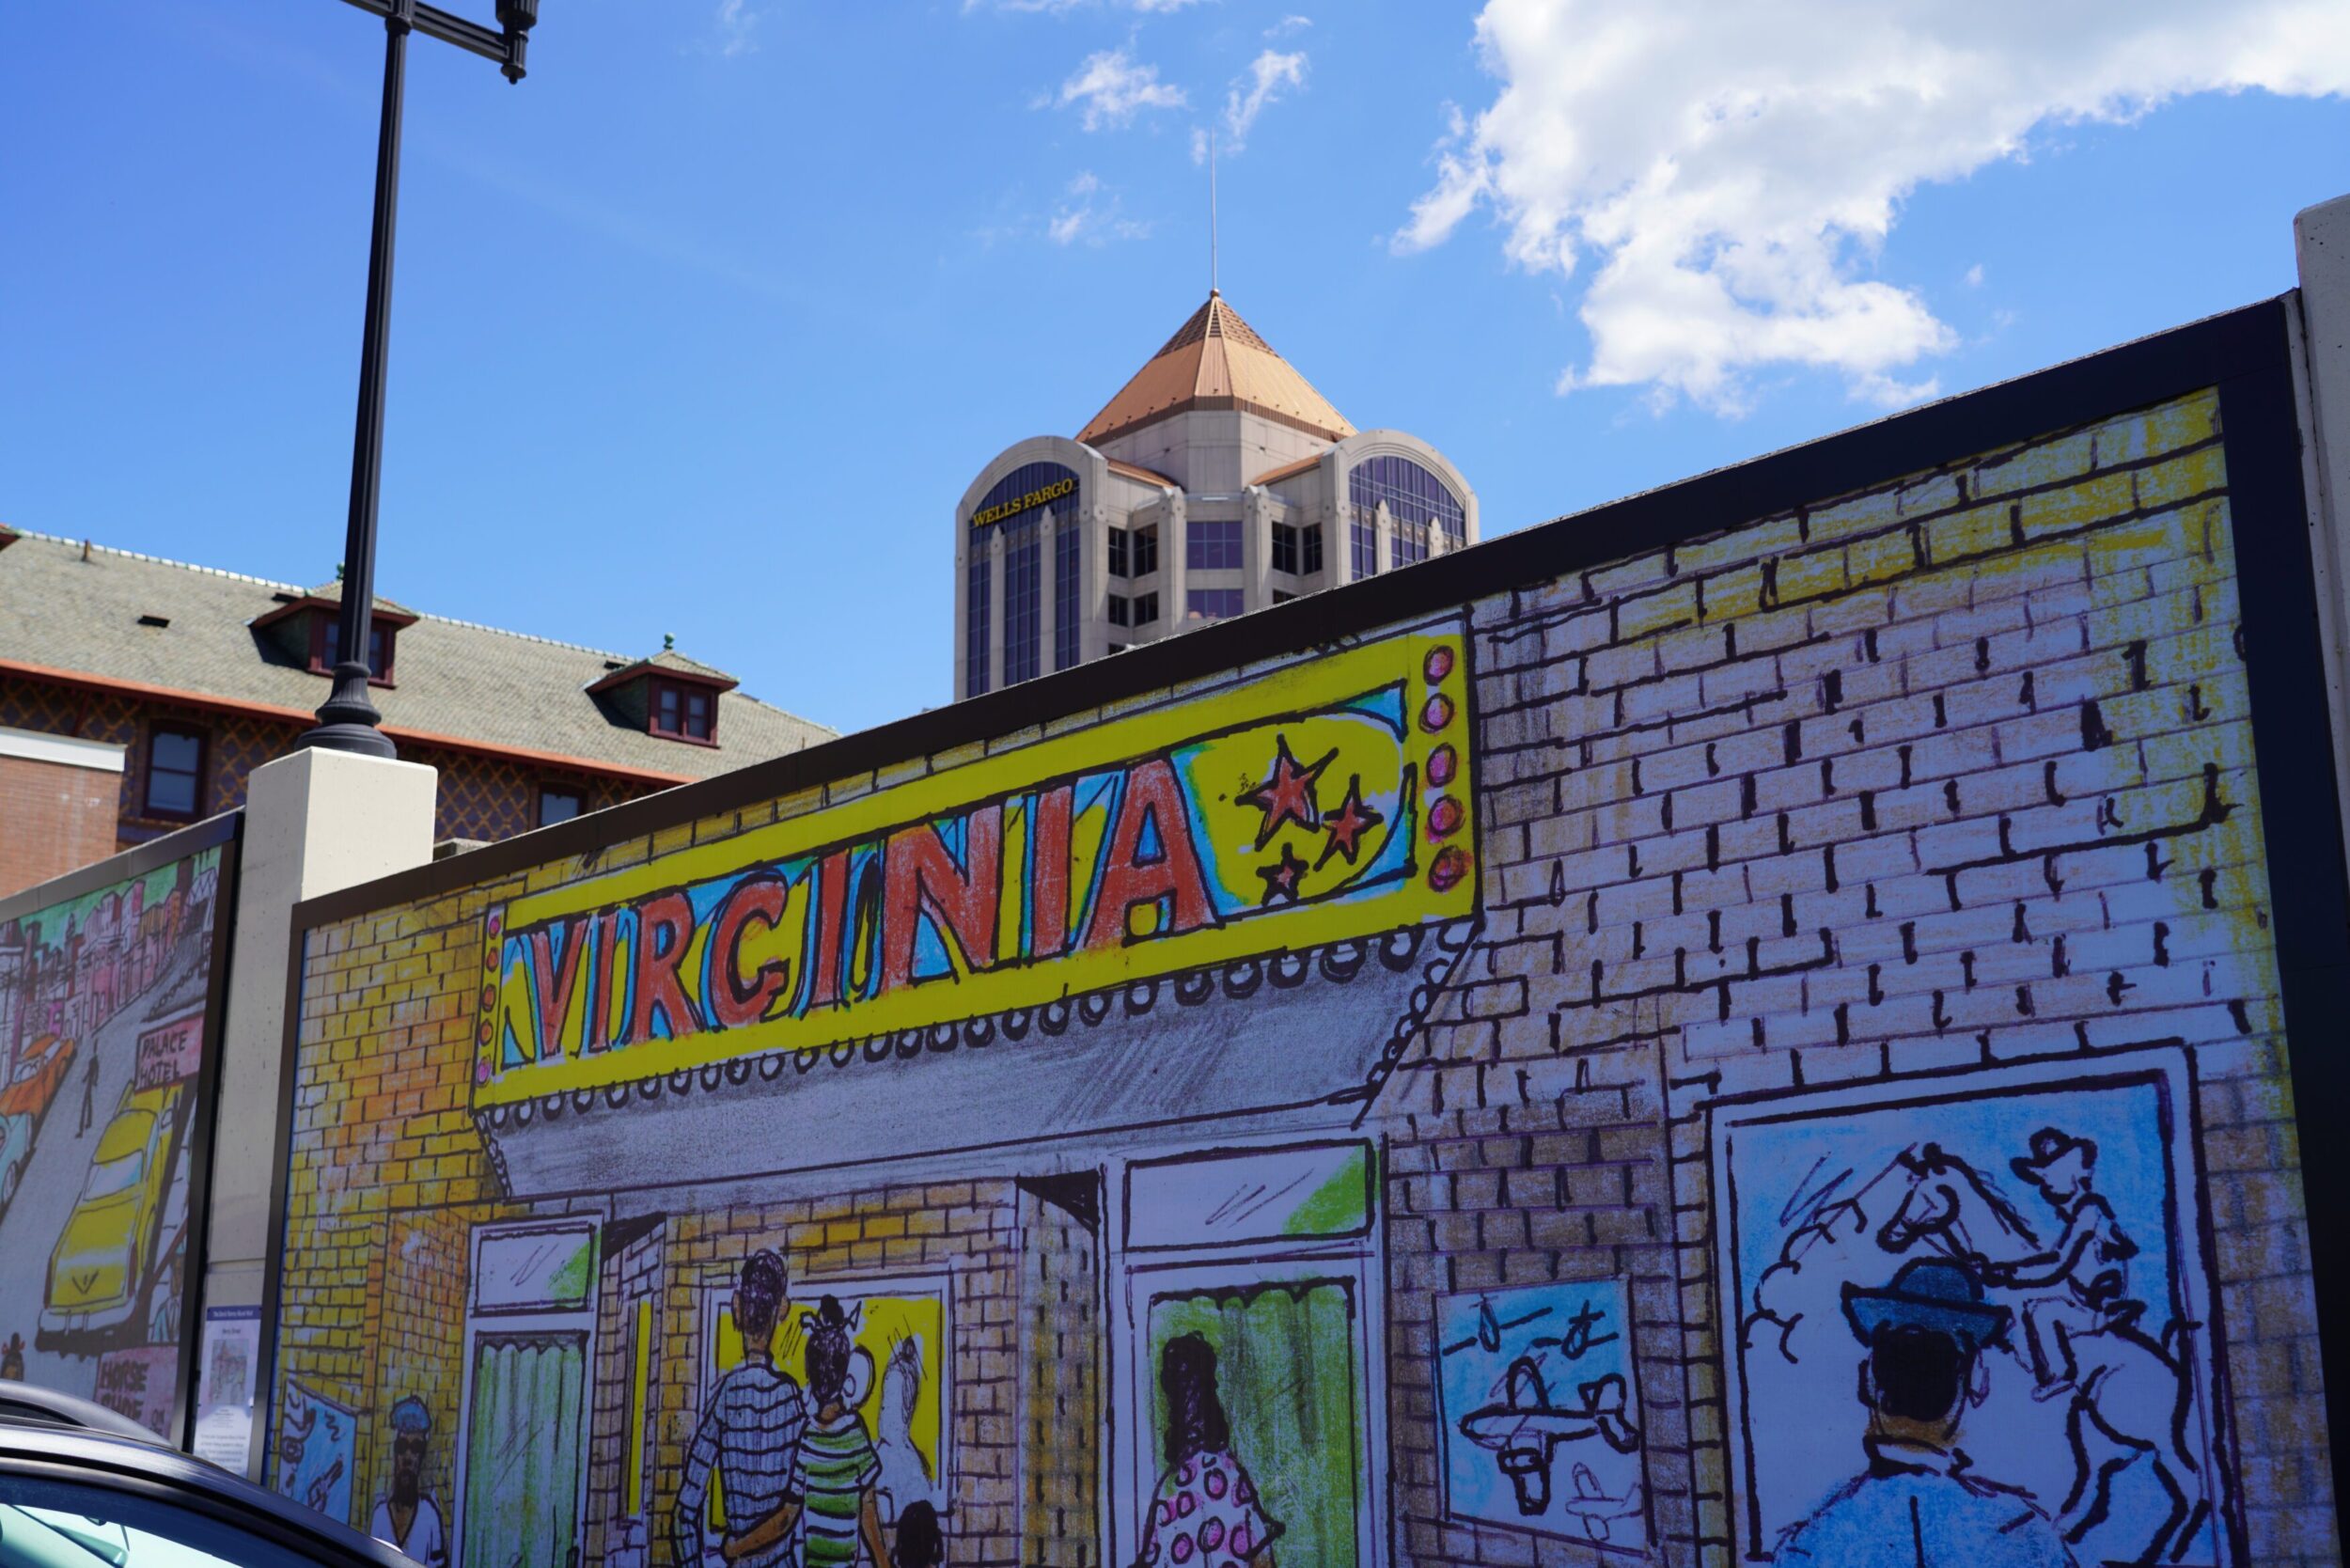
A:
x: 668, y: 696
x: 326, y: 641
x: 685, y: 713
x: 305, y: 630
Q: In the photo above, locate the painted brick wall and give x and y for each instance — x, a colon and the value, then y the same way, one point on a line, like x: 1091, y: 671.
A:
x: 1954, y: 771
x: 1061, y: 1410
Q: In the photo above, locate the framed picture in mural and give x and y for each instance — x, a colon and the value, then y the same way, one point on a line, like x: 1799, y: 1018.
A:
x: 1540, y: 1426
x: 111, y: 991
x: 2034, y: 1225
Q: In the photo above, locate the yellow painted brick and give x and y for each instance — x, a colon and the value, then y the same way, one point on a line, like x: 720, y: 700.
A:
x: 1868, y: 512
x: 2196, y: 473
x: 1880, y: 556
x: 1811, y: 575
x: 2078, y: 506
x: 1731, y: 594
x: 1654, y: 612
x: 1976, y: 531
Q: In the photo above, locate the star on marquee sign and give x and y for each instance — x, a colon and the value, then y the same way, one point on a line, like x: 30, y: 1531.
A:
x: 1346, y: 825
x: 1287, y: 795
x: 1280, y: 879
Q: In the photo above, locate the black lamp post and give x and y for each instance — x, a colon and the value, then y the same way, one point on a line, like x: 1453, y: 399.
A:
x: 348, y: 719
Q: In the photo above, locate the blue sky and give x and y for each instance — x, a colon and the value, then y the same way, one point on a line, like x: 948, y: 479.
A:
x: 704, y: 327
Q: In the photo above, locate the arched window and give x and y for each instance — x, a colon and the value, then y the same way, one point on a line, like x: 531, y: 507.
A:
x: 1415, y: 499
x: 1014, y: 506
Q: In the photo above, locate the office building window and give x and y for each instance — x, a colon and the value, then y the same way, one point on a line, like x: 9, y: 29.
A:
x: 1311, y: 554
x: 1284, y: 548
x: 975, y: 633
x: 1145, y: 551
x: 685, y: 713
x: 1146, y: 608
x: 1023, y: 615
x: 1408, y: 543
x: 1212, y: 546
x: 557, y: 804
x: 1365, y: 535
x: 1121, y: 610
x: 1118, y: 553
x: 1067, y: 625
x: 1210, y: 604
x: 1412, y: 496
x: 1281, y: 598
x: 1022, y: 495
x: 175, y: 771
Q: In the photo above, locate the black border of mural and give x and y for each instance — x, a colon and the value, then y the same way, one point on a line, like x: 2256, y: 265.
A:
x: 227, y: 832
x: 2243, y: 354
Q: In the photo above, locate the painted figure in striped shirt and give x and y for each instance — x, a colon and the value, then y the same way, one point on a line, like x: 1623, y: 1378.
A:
x: 831, y: 1496
x: 750, y: 1435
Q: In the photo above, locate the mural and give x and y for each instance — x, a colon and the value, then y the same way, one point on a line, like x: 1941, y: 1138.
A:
x: 1765, y: 1049
x: 108, y: 992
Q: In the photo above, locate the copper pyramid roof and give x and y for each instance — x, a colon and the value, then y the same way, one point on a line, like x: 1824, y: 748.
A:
x: 1216, y: 360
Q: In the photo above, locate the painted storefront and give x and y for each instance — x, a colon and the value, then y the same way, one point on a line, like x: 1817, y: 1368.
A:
x: 109, y: 982
x: 1537, y: 1078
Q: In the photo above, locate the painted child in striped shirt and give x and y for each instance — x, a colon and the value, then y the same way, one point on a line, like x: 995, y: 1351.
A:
x: 837, y: 1468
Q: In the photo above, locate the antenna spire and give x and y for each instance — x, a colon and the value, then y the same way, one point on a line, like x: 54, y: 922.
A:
x: 1212, y: 280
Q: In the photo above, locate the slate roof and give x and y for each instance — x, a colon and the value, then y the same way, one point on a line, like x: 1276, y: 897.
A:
x: 1216, y: 360
x: 74, y: 611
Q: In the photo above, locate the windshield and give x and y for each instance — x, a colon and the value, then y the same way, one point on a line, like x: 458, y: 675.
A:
x: 114, y: 1176
x: 46, y: 1523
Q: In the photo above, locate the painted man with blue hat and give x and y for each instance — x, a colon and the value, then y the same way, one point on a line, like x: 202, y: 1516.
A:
x: 407, y: 1517
x: 1920, y: 1504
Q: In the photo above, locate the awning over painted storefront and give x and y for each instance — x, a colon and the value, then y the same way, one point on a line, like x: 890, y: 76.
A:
x: 1321, y: 1028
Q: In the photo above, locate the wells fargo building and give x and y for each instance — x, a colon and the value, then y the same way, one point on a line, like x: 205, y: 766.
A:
x: 1519, y: 1034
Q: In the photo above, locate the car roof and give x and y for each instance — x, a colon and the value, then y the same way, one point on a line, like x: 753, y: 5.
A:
x: 30, y: 1404
x: 146, y: 1469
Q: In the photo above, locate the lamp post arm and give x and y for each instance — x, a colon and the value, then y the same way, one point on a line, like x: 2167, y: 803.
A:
x: 435, y: 23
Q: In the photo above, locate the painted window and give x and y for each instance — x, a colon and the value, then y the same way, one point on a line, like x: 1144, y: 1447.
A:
x: 1068, y: 626
x: 557, y: 804
x: 1212, y: 546
x: 175, y: 771
x: 1210, y: 604
x: 978, y: 636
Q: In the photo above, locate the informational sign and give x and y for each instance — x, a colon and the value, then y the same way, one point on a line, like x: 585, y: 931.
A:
x: 1318, y: 803
x: 226, y: 1362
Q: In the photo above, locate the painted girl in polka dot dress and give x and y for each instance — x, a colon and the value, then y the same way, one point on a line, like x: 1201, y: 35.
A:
x: 1205, y: 1512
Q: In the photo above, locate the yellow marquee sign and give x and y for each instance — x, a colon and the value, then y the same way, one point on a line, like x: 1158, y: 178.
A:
x: 1324, y: 800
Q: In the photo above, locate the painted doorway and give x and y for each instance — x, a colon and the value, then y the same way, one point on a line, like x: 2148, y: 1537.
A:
x: 529, y: 1329
x: 522, y: 1440
x: 1245, y: 1336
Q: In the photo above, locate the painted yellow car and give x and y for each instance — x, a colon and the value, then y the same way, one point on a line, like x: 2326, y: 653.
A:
x: 99, y: 1271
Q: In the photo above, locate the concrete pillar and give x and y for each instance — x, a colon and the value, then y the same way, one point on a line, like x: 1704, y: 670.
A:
x: 2321, y: 237
x: 1174, y: 569
x: 314, y: 822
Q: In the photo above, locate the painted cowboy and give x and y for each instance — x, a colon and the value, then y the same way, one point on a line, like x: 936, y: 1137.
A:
x: 2090, y: 1260
x: 1920, y: 1503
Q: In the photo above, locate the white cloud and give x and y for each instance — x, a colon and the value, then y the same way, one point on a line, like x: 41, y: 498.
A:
x: 1113, y: 89
x: 1162, y: 6
x: 1733, y: 169
x: 1270, y: 75
x: 735, y: 30
x: 1974, y: 276
x: 1289, y: 24
x: 1092, y: 213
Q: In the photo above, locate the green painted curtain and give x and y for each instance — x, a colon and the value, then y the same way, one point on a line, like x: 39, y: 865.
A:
x: 521, y: 1462
x: 1285, y: 1364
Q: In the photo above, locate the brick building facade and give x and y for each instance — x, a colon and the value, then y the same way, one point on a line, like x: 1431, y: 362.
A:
x: 200, y: 676
x: 1526, y: 1024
